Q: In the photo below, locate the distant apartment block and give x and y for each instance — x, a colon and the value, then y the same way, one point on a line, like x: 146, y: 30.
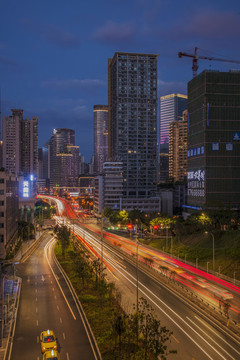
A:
x: 171, y: 109
x: 20, y: 143
x: 178, y: 149
x: 100, y: 137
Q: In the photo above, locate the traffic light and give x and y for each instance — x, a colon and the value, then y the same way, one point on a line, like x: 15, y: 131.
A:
x: 155, y: 227
x: 130, y: 226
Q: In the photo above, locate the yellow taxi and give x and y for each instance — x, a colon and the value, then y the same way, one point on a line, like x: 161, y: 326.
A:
x: 52, y: 354
x: 48, y: 341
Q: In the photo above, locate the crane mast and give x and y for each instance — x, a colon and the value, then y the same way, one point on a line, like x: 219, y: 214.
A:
x: 195, y: 58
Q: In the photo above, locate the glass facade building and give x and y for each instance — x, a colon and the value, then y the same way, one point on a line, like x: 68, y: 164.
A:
x: 171, y: 109
x: 214, y: 140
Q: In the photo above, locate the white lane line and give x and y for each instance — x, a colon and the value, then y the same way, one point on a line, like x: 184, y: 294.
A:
x: 38, y: 339
x: 60, y: 320
x: 58, y: 307
x: 36, y: 309
x: 198, y: 327
x: 64, y: 336
x: 53, y: 289
x: 55, y: 297
x: 35, y: 290
x: 215, y: 333
x: 67, y: 356
x: 45, y: 249
x: 36, y: 299
x: 37, y: 322
x: 166, y: 314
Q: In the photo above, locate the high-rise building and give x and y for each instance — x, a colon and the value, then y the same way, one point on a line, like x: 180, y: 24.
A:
x: 100, y: 137
x: 132, y: 101
x: 214, y: 140
x: 60, y: 164
x: 171, y: 109
x: 20, y: 143
x: 178, y: 149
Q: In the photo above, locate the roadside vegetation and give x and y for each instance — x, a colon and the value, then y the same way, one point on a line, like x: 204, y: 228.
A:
x: 138, y: 335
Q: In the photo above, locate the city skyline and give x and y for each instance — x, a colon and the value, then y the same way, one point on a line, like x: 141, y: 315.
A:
x: 53, y: 59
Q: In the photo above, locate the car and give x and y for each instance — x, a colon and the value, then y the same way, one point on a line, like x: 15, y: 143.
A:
x: 48, y: 341
x: 51, y: 354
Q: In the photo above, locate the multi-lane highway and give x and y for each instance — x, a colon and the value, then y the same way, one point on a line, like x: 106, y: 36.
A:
x: 196, y: 335
x: 47, y: 301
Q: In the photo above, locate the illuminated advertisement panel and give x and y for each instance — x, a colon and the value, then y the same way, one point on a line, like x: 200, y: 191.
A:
x: 196, y: 183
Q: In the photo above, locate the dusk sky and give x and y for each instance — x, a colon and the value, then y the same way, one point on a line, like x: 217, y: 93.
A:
x: 54, y: 53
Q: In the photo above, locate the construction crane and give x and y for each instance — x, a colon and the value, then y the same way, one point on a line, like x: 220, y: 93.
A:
x: 196, y: 57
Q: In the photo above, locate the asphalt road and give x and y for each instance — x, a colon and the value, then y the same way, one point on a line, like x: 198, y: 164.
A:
x: 43, y: 305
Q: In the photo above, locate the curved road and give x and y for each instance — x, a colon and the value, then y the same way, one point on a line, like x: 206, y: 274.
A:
x: 46, y: 302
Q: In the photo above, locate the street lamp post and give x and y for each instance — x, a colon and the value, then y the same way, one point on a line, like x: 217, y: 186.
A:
x: 213, y: 259
x: 213, y: 250
x: 137, y: 270
x: 207, y: 265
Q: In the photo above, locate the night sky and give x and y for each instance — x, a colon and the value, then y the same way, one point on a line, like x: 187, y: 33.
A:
x: 54, y: 53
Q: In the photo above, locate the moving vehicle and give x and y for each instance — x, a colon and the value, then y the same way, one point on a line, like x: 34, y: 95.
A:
x: 48, y: 341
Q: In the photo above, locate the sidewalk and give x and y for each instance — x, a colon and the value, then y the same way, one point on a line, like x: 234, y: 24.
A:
x: 10, y: 286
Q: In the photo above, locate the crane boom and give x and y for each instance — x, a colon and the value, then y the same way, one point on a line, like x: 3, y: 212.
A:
x: 195, y: 58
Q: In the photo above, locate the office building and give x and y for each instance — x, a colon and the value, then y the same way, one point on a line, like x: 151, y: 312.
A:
x: 214, y: 140
x: 100, y: 137
x: 171, y: 109
x: 20, y: 143
x: 178, y: 149
x: 132, y: 104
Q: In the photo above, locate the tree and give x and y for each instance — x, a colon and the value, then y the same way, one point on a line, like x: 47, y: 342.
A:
x: 63, y: 235
x: 154, y: 335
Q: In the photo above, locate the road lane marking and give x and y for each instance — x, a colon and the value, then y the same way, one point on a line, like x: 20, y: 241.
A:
x: 215, y: 333
x: 177, y: 341
x: 36, y: 299
x: 37, y: 322
x: 64, y: 337
x: 67, y: 356
x: 35, y: 290
x: 58, y: 307
x: 198, y: 327
x: 36, y: 309
x: 45, y: 249
x: 38, y: 339
x: 60, y: 320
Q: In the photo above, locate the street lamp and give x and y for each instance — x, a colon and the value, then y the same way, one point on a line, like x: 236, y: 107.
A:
x: 137, y: 271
